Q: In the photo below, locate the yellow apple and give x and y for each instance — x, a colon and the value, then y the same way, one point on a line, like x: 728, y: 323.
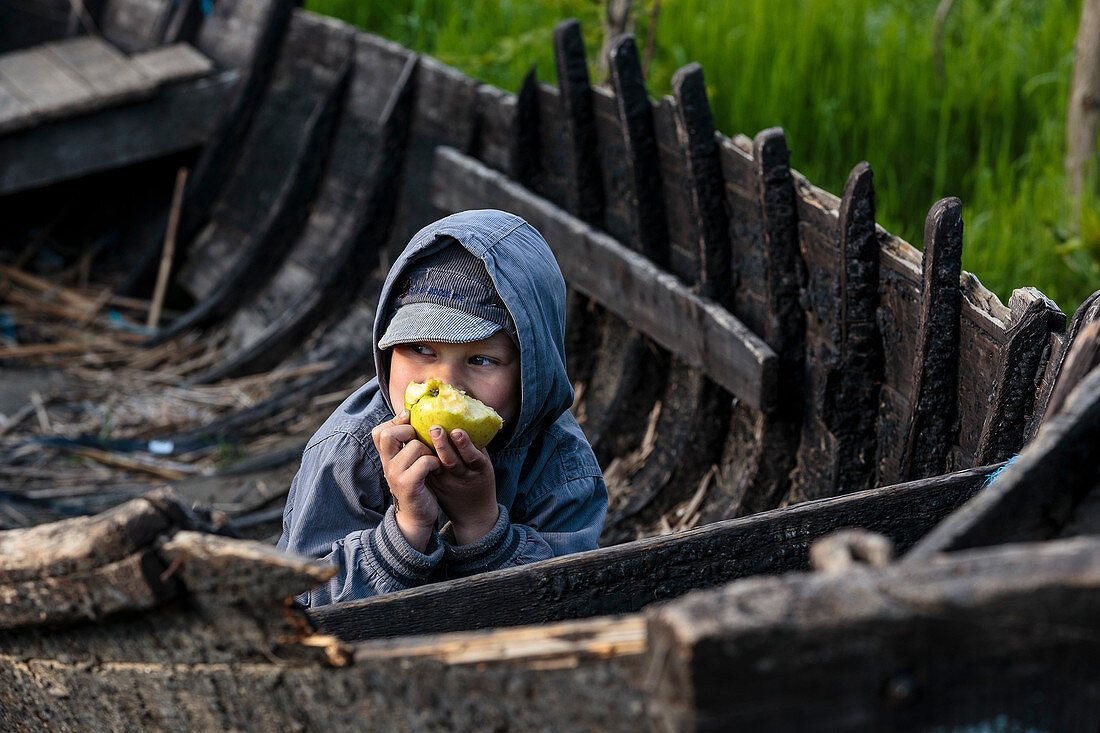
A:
x: 437, y: 403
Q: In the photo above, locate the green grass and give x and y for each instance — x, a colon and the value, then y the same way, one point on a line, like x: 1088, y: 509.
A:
x: 848, y: 80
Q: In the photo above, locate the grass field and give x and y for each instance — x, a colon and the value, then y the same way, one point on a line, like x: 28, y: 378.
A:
x: 849, y: 80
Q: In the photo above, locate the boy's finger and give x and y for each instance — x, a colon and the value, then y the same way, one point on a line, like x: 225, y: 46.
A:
x: 422, y: 467
x: 412, y: 452
x: 389, y: 439
x: 474, y: 459
x: 448, y: 456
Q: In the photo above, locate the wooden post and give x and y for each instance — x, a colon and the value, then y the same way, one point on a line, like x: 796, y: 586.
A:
x: 695, y: 128
x: 854, y: 399
x: 586, y: 192
x: 1014, y: 394
x: 526, y: 151
x: 636, y: 118
x: 933, y: 400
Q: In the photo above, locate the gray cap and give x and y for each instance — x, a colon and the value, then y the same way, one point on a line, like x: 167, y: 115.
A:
x: 446, y: 297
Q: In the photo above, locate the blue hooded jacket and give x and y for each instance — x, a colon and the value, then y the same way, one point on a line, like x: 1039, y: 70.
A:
x: 550, y: 490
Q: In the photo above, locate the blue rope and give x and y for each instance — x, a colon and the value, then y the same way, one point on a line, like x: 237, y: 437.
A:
x: 993, y: 476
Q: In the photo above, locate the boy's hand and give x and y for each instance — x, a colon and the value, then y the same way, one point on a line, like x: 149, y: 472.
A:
x: 406, y: 463
x: 464, y: 485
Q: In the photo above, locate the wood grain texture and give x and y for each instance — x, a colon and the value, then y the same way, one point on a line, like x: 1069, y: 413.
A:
x: 1003, y: 634
x: 578, y: 117
x: 934, y: 397
x: 627, y: 577
x: 653, y: 301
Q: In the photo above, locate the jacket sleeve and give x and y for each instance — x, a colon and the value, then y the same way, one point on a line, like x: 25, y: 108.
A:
x: 564, y: 520
x: 337, y: 510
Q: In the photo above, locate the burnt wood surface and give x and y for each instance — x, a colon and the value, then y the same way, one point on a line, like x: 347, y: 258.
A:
x: 343, y: 237
x: 1014, y: 394
x: 761, y: 446
x: 264, y: 203
x: 254, y: 53
x: 626, y: 577
x: 1059, y: 379
x: 622, y: 280
x: 997, y: 639
x: 1037, y: 495
x: 934, y: 395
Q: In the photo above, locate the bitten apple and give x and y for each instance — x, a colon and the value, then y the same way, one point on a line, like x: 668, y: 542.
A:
x: 437, y: 403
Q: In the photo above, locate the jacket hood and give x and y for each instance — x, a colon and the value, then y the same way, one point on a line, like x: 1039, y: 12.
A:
x: 530, y: 283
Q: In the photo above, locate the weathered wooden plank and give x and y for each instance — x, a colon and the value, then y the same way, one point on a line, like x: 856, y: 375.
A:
x: 1004, y: 638
x: 83, y: 543
x: 563, y: 691
x: 1014, y: 392
x: 264, y: 202
x: 45, y: 85
x: 695, y: 125
x: 586, y: 195
x: 173, y: 63
x: 1037, y: 494
x: 856, y: 381
x: 102, y: 68
x: 627, y: 577
x: 636, y: 119
x: 653, y: 301
x: 130, y: 584
x: 351, y: 228
x: 934, y: 396
x: 14, y: 110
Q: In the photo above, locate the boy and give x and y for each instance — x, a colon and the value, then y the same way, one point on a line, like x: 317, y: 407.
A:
x: 477, y: 300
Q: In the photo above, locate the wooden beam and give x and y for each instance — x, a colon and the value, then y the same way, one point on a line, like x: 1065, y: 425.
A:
x: 585, y: 194
x: 624, y: 578
x: 696, y: 329
x: 178, y: 118
x: 1006, y: 638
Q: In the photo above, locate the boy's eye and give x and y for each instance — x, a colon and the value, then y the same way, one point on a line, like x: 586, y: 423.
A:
x: 480, y: 360
x: 420, y: 349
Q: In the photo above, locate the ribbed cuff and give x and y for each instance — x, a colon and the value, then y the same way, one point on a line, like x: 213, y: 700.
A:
x: 492, y: 551
x: 397, y: 558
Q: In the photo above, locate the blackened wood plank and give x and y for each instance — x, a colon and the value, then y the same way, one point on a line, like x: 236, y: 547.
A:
x: 172, y: 63
x: 579, y: 117
x: 1036, y: 496
x: 183, y: 26
x: 360, y: 225
x: 15, y: 113
x: 975, y: 641
x: 934, y: 396
x: 1084, y: 356
x: 303, y: 125
x: 176, y: 119
x: 636, y: 118
x: 695, y: 125
x: 135, y: 25
x: 653, y: 301
x: 859, y: 370
x: 526, y: 152
x: 627, y: 577
x: 1017, y: 376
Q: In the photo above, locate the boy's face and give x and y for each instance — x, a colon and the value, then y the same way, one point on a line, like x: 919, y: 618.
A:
x: 488, y: 369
